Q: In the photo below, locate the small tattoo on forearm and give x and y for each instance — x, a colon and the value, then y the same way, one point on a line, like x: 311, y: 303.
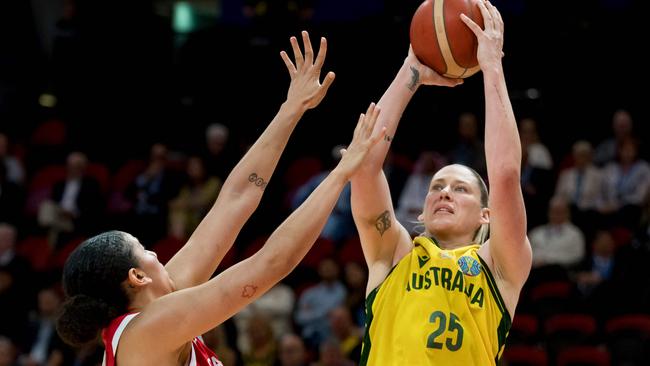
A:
x: 387, y: 138
x: 258, y: 181
x: 415, y: 79
x: 383, y: 222
x: 248, y: 291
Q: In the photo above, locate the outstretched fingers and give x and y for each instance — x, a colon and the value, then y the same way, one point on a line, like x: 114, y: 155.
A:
x: 309, y: 51
x: 287, y: 61
x: 297, y: 54
x: 329, y: 79
x: 322, y: 52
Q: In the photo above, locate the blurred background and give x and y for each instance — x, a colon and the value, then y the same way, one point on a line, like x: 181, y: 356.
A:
x: 143, y: 107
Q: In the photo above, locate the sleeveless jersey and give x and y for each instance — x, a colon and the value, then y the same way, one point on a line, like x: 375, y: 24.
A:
x: 201, y: 355
x: 436, y: 307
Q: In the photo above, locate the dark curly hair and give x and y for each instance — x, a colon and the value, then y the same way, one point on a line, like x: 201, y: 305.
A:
x: 92, y: 281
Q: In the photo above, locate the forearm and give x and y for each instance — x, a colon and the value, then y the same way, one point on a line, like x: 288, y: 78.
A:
x: 291, y: 241
x: 239, y: 197
x: 392, y: 105
x: 502, y: 144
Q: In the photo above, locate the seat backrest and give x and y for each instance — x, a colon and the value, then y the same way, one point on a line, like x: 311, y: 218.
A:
x: 584, y: 355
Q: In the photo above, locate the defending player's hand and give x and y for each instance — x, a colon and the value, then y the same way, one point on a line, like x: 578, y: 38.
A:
x: 362, y: 141
x: 306, y: 89
x: 426, y: 75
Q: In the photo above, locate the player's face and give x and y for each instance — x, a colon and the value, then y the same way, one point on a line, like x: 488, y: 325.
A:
x: 148, y: 262
x: 452, y: 209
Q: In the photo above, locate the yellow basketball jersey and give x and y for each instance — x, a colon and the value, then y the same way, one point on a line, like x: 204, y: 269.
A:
x: 436, y: 307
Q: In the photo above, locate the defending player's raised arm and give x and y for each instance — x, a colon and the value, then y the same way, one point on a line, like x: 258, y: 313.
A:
x: 183, y: 314
x: 243, y: 189
x: 371, y: 202
x: 508, y: 245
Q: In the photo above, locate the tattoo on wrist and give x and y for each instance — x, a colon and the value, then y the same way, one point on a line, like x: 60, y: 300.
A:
x: 415, y: 79
x: 388, y: 138
x: 382, y: 223
x: 258, y: 181
x: 248, y: 291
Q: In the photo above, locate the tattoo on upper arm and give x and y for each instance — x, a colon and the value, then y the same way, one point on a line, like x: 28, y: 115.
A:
x: 258, y: 181
x: 248, y: 291
x: 382, y: 223
x: 415, y: 79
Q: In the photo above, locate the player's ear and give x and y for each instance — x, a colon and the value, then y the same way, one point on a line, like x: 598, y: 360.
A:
x: 485, y: 216
x: 137, y: 278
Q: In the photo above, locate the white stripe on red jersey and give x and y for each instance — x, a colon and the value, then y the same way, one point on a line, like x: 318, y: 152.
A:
x: 201, y: 355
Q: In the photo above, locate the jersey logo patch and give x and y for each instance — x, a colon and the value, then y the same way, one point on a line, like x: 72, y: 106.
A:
x: 423, y: 260
x: 469, y: 265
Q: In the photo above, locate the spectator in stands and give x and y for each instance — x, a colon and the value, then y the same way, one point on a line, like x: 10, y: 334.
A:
x: 469, y: 151
x: 330, y: 354
x: 218, y: 155
x: 599, y: 267
x: 276, y: 305
x: 76, y: 203
x: 316, y: 302
x: 346, y: 333
x: 537, y: 188
x: 538, y: 154
x: 45, y: 347
x: 13, y: 166
x: 558, y: 242
x: 151, y: 192
x: 263, y: 347
x: 626, y: 183
x: 581, y: 186
x: 292, y: 351
x: 340, y: 224
x: 622, y: 126
x: 194, y: 199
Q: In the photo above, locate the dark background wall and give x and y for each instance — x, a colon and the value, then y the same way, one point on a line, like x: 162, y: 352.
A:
x: 123, y: 78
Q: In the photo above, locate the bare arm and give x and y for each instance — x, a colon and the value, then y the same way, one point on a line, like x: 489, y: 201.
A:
x: 178, y: 317
x: 372, y: 207
x: 242, y: 191
x: 508, y: 246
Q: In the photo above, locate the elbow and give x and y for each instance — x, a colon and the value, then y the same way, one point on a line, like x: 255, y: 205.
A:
x: 277, y: 263
x: 507, y: 175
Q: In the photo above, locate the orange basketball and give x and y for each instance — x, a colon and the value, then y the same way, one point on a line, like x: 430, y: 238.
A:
x: 442, y: 41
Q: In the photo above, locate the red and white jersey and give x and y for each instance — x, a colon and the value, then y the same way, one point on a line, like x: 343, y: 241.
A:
x: 201, y: 354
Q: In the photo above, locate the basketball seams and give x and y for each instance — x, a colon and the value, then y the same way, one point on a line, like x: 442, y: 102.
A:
x: 453, y: 69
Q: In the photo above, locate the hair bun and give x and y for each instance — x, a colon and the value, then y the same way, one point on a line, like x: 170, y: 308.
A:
x: 81, y: 319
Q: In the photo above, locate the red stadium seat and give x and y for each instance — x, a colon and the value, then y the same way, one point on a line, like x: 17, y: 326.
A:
x: 522, y: 355
x: 351, y: 251
x: 567, y: 330
x: 37, y: 250
x: 40, y: 186
x: 524, y: 329
x: 628, y: 339
x: 101, y: 174
x: 583, y: 356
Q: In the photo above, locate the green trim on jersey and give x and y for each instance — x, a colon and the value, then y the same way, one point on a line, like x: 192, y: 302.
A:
x: 506, y: 321
x: 365, y: 351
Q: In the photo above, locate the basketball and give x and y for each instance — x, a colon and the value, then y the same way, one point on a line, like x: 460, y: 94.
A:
x: 442, y: 41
